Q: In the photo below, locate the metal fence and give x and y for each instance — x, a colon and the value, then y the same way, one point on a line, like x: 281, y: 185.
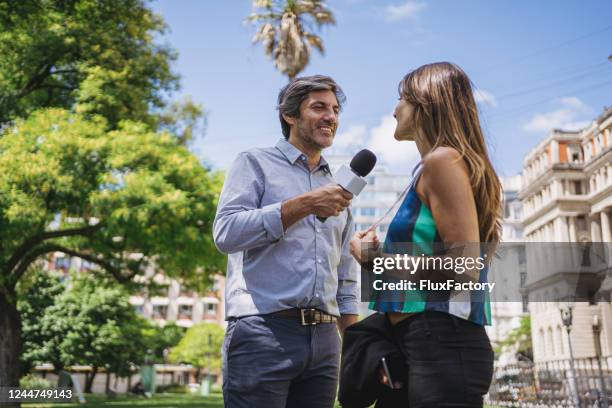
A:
x: 551, y: 384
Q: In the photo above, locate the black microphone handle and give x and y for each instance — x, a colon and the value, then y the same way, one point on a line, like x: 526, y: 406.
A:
x: 322, y: 219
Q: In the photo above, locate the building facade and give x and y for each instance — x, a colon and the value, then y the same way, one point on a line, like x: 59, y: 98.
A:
x: 379, y: 198
x: 170, y: 302
x: 509, y: 272
x: 183, y: 306
x: 567, y: 197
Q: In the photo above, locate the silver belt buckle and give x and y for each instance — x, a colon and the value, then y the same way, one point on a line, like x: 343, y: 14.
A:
x: 311, y: 314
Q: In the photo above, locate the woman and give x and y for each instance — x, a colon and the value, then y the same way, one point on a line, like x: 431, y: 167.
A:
x: 455, y: 198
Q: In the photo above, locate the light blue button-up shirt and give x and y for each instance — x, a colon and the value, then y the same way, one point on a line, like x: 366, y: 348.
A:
x: 268, y: 269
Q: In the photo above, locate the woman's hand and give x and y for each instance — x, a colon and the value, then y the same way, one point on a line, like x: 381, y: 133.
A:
x: 361, y: 241
x: 384, y: 380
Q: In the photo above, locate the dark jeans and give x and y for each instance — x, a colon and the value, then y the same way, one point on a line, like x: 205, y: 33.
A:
x: 449, y: 360
x: 274, y: 362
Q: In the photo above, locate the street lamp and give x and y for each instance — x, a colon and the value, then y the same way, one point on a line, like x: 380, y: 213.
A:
x: 602, y: 382
x: 566, y: 318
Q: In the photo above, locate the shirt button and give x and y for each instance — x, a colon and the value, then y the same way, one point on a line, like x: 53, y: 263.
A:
x: 316, y: 295
x: 318, y: 229
x: 318, y: 261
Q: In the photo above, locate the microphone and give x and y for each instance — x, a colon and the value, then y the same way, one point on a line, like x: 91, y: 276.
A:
x: 352, y: 179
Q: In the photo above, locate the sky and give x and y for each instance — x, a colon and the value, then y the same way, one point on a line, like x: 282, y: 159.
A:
x: 536, y: 65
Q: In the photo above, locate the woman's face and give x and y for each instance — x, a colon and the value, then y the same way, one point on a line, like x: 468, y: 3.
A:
x: 405, y: 129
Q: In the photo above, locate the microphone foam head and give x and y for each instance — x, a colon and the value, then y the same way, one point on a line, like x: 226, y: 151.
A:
x: 363, y: 162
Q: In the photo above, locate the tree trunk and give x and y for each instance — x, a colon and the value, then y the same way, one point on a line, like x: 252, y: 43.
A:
x: 10, y: 340
x: 90, y: 379
x: 107, y: 384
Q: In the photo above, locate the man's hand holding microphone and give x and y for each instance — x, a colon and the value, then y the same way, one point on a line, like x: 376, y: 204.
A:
x: 330, y: 200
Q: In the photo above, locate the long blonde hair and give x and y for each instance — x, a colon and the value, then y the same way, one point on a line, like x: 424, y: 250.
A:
x: 445, y: 114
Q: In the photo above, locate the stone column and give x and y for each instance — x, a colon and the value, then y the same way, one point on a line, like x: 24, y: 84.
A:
x: 572, y: 229
x: 606, y: 327
x: 561, y: 229
x: 558, y: 189
x: 606, y: 235
x: 595, y: 229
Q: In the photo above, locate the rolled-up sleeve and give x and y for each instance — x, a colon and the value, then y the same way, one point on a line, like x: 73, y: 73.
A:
x: 240, y: 223
x: 348, y: 273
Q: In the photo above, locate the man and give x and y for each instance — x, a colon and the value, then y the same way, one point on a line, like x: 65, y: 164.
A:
x: 290, y: 276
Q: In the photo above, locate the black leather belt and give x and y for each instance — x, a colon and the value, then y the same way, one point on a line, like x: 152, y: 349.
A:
x: 307, y: 317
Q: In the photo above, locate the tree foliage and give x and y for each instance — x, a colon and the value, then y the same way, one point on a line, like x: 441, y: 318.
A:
x: 286, y: 31
x: 124, y: 199
x: 100, y: 54
x: 519, y: 339
x: 38, y: 291
x: 161, y: 339
x: 201, y: 347
x: 86, y: 319
x: 92, y: 156
x: 94, y: 324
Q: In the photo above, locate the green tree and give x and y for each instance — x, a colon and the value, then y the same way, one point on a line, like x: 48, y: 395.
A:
x: 92, y: 323
x: 201, y: 347
x: 519, y: 339
x: 37, y: 292
x: 163, y: 338
x: 285, y: 31
x: 99, y: 53
x: 125, y: 200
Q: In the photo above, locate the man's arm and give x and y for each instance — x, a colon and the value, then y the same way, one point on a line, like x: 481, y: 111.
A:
x: 240, y: 224
x: 348, y: 285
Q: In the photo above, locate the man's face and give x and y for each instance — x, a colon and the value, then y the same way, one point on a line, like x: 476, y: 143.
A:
x: 318, y: 121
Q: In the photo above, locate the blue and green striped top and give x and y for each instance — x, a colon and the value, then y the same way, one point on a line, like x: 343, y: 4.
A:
x: 414, y: 223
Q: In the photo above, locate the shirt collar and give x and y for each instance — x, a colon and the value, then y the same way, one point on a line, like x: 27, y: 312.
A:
x: 292, y: 154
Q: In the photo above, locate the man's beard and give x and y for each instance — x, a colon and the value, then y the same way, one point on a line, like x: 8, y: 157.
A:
x: 305, y: 134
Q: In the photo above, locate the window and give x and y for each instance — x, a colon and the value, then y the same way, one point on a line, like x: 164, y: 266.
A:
x: 577, y: 187
x: 211, y: 309
x: 367, y: 195
x: 160, y: 311
x: 138, y: 309
x: 368, y: 211
x: 561, y: 340
x: 185, y: 311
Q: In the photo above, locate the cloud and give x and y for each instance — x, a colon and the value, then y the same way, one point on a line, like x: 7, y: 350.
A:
x: 485, y: 97
x: 568, y: 117
x: 575, y: 103
x: 407, y: 10
x: 396, y: 156
x: 355, y: 136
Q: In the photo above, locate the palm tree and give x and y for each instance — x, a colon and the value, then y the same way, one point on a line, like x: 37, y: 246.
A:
x: 286, y: 31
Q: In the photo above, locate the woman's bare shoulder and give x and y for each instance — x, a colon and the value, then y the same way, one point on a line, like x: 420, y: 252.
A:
x: 443, y: 159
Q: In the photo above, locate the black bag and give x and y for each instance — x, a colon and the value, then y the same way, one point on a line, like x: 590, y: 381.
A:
x: 364, y: 344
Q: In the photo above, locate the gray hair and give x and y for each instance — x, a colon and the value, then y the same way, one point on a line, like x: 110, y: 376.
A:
x: 295, y: 92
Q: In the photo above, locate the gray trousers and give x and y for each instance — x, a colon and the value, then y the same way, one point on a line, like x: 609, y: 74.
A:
x: 274, y: 362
